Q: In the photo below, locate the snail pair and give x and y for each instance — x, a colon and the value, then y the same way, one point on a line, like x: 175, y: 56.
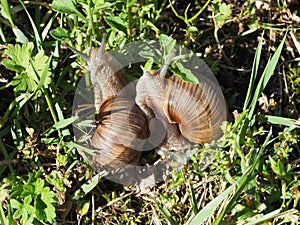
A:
x: 159, y: 112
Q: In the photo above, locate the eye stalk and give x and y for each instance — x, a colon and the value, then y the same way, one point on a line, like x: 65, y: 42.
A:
x: 102, y: 47
x: 82, y: 55
x: 164, y: 68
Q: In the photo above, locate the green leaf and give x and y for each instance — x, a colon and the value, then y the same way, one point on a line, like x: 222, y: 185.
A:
x: 87, y: 187
x: 37, y: 69
x: 24, y: 83
x: 147, y: 23
x: 27, y: 200
x: 55, y: 180
x: 64, y: 6
x: 48, y: 198
x: 184, y: 73
x: 15, y: 204
x: 225, y: 9
x: 60, y: 33
x: 83, y: 207
x: 18, y: 56
x: 222, y: 11
x: 67, y: 6
x: 32, y: 74
x: 148, y: 64
x: 102, y: 5
x: 39, y: 205
x: 62, y: 159
x: 65, y: 122
x: 220, y: 19
x: 277, y: 167
x: 18, y: 213
x: 117, y: 23
x: 38, y: 186
x: 167, y: 44
x: 45, y: 78
x: 192, y: 29
x: 9, y: 64
x: 20, y: 35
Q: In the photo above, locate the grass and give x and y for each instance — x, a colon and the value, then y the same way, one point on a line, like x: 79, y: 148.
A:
x: 249, y: 176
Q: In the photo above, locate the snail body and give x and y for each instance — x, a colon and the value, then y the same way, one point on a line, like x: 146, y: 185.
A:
x: 151, y: 98
x: 106, y: 74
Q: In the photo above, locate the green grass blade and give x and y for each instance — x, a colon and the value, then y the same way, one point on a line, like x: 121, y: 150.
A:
x: 210, y: 208
x: 7, y: 157
x: 265, y: 217
x: 268, y: 72
x: 62, y: 123
x: 48, y: 26
x: 193, y: 199
x: 17, y: 104
x: 6, y: 12
x: 167, y: 214
x: 254, y: 71
x: 35, y: 30
x: 277, y: 120
x: 3, y: 219
x: 2, y: 35
x: 81, y: 149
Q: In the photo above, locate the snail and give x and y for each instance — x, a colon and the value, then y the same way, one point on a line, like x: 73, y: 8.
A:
x: 183, y: 113
x: 122, y: 127
x: 191, y: 113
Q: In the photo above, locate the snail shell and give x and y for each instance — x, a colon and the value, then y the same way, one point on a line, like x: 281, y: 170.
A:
x: 195, y: 108
x: 191, y: 113
x: 120, y: 132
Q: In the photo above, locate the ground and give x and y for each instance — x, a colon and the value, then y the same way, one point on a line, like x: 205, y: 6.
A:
x: 250, y: 175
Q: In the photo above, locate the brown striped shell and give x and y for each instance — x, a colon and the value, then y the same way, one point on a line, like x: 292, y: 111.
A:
x: 195, y: 108
x: 120, y: 133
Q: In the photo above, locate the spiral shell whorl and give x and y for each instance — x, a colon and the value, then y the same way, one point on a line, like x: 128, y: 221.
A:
x: 120, y: 132
x: 194, y: 107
